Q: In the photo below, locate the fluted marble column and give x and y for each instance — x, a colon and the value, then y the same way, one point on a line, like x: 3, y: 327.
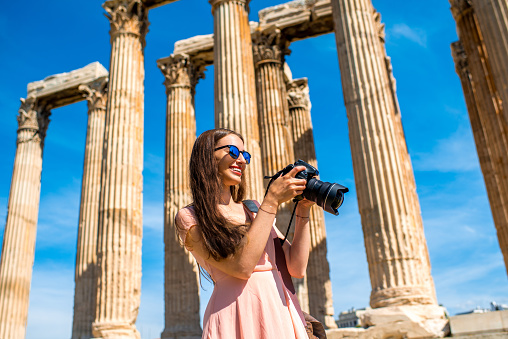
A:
x: 486, y: 114
x: 391, y: 220
x: 405, y: 160
x: 318, y: 271
x: 274, y: 126
x: 181, y: 279
x: 120, y: 210
x: 86, y: 258
x: 492, y: 18
x: 235, y: 88
x: 18, y: 247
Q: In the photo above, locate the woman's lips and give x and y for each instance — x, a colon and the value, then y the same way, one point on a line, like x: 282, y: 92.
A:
x: 236, y: 170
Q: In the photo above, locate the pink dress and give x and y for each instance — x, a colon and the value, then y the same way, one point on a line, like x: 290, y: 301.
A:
x: 257, y: 308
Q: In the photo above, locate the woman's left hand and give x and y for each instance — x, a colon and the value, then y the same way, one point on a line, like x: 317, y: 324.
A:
x: 306, y: 203
x: 303, y: 208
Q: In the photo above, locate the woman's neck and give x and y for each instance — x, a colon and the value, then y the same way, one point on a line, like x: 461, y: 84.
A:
x: 226, y: 198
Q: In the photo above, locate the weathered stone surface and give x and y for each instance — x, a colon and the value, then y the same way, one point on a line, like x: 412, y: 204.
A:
x: 486, y: 112
x: 394, y: 239
x: 198, y: 47
x: 276, y: 139
x: 476, y: 323
x: 493, y: 21
x: 120, y: 225
x: 235, y: 86
x: 18, y: 247
x: 181, y: 275
x: 300, y: 19
x: 63, y: 89
x: 423, y: 321
x: 319, y: 286
x: 86, y: 257
x: 295, y: 20
x: 345, y: 333
x: 156, y: 3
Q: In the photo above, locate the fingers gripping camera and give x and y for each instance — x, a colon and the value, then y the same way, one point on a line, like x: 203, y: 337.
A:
x: 328, y: 196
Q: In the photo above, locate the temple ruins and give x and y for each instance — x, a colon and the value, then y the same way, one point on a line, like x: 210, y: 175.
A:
x: 256, y: 96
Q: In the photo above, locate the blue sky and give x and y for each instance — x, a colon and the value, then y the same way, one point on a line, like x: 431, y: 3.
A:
x: 40, y: 39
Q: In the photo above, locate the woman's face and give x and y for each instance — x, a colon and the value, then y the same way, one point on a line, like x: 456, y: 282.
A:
x: 230, y: 170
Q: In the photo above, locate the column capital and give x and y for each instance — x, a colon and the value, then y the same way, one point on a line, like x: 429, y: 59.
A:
x: 460, y: 8
x: 181, y: 71
x: 216, y: 3
x: 270, y: 47
x: 459, y: 57
x: 95, y: 94
x: 127, y: 17
x: 33, y: 117
x: 298, y: 94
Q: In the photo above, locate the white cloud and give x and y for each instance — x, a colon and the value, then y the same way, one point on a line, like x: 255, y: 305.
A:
x: 456, y: 286
x: 59, y: 216
x: 51, y: 303
x: 456, y: 153
x: 153, y: 215
x: 416, y: 35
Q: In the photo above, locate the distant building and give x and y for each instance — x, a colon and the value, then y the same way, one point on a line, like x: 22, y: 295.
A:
x: 350, y: 318
x: 493, y: 307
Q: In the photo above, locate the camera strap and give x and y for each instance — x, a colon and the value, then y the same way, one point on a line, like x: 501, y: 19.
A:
x: 272, y: 178
x: 290, y: 223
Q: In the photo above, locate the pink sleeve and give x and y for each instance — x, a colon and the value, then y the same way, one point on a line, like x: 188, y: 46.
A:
x: 185, y: 219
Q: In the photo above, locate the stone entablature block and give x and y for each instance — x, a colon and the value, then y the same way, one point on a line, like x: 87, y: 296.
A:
x: 156, y: 3
x: 299, y: 19
x: 63, y: 89
x: 296, y: 20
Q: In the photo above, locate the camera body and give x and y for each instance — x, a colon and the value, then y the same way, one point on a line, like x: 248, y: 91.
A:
x: 307, y: 174
x: 328, y: 196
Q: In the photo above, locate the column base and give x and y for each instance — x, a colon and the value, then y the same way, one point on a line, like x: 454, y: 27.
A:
x: 397, y: 322
x: 115, y: 330
x: 401, y: 296
x: 330, y: 322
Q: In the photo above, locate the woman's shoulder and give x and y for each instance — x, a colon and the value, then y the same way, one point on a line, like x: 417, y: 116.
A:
x: 186, y: 217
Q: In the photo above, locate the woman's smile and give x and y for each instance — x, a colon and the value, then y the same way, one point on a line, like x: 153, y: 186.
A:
x: 236, y: 170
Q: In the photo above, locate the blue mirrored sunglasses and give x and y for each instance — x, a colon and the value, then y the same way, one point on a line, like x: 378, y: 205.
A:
x: 234, y: 152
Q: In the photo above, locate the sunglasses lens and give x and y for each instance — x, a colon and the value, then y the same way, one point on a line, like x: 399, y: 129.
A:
x: 246, y: 156
x: 234, y: 152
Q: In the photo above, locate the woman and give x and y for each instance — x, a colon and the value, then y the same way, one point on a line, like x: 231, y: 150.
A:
x: 236, y: 246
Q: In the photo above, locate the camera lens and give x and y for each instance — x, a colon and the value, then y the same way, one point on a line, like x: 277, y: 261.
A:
x: 328, y: 196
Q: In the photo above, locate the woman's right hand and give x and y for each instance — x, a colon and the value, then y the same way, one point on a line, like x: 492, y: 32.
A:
x: 287, y: 186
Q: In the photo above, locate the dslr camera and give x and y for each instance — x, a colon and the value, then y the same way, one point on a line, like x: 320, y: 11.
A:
x: 328, y: 196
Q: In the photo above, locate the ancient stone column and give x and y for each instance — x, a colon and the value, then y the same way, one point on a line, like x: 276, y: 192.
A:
x: 181, y: 278
x: 403, y: 153
x: 120, y: 209
x: 18, y: 247
x: 318, y: 271
x: 391, y: 220
x: 492, y: 18
x: 486, y: 113
x: 86, y: 258
x: 235, y: 88
x: 274, y: 126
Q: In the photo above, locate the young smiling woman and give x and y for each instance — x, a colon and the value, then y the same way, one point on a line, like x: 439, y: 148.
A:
x: 236, y: 246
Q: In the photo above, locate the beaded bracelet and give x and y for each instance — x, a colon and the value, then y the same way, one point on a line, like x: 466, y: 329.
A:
x: 302, y: 217
x: 266, y: 211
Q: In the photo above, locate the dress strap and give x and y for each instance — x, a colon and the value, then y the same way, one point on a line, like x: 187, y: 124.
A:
x: 251, y: 205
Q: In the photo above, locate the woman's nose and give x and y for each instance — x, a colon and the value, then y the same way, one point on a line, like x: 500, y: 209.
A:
x: 241, y: 158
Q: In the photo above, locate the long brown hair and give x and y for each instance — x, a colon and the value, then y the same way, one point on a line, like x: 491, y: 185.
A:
x: 221, y: 238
